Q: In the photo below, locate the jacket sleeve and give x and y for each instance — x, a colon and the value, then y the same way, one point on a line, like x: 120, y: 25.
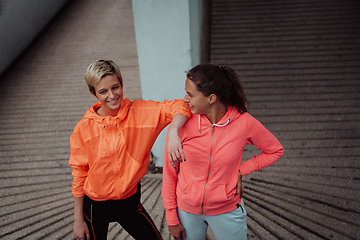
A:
x: 78, y: 161
x: 271, y: 149
x: 178, y: 106
x: 170, y: 179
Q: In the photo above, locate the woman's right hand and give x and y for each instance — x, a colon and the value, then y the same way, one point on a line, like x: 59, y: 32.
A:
x: 81, y: 230
x: 177, y: 231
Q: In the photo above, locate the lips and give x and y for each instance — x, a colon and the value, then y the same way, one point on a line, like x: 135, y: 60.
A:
x: 113, y: 101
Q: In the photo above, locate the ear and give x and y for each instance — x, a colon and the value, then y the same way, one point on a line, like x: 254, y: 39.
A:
x: 212, y: 98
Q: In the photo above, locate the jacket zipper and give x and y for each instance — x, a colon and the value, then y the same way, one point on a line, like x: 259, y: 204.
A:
x: 116, y: 165
x: 207, y: 178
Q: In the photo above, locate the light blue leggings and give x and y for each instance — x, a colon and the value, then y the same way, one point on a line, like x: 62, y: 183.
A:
x: 227, y: 226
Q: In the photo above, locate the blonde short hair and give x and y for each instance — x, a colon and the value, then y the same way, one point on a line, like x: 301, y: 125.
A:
x: 99, y: 69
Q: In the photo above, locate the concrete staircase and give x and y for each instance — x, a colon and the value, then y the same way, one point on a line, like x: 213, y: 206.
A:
x: 300, y: 64
x: 42, y: 98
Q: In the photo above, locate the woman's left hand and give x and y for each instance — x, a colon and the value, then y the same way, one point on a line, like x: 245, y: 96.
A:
x: 239, y: 189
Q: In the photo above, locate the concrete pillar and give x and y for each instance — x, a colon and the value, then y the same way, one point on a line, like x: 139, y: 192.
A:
x: 168, y: 44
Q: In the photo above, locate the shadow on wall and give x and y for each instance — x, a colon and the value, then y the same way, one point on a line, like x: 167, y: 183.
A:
x: 22, y: 23
x: 2, y: 6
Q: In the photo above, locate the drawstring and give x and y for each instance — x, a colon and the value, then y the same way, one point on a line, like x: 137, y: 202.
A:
x: 223, y: 125
x: 199, y: 124
x: 217, y: 125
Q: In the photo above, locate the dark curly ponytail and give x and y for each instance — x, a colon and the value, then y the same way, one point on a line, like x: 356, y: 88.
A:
x: 221, y: 81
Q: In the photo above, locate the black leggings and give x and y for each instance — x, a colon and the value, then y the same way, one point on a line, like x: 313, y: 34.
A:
x: 129, y: 213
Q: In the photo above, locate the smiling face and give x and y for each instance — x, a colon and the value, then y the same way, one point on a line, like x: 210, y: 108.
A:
x: 199, y: 104
x: 110, y: 94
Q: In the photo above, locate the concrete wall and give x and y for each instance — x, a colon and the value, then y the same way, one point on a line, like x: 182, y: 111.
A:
x: 20, y: 22
x: 168, y: 44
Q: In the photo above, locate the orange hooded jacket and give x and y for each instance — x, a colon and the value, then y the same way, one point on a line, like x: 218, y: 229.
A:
x: 110, y: 155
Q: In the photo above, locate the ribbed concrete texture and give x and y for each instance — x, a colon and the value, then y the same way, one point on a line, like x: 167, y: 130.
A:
x: 299, y: 61
x: 43, y: 98
x: 300, y: 64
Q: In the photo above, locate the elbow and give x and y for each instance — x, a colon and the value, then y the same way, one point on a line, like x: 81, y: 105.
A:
x: 280, y: 152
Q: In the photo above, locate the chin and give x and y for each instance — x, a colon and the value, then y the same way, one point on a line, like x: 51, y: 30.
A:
x: 117, y: 107
x: 113, y: 107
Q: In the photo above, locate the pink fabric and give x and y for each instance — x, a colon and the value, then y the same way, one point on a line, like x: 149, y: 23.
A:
x: 206, y: 182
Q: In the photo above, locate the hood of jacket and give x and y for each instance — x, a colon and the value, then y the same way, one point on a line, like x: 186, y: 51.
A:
x: 231, y: 115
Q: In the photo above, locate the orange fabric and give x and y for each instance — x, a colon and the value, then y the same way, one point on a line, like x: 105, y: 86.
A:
x: 110, y: 155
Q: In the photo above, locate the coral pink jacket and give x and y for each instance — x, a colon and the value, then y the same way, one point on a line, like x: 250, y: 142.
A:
x: 110, y: 155
x: 206, y: 182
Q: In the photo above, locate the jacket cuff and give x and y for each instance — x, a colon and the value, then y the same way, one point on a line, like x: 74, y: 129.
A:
x: 246, y: 168
x: 172, y: 217
x: 77, y: 194
x: 182, y: 108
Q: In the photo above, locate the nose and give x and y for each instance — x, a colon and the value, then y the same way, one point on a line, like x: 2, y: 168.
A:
x: 186, y: 98
x: 111, y: 94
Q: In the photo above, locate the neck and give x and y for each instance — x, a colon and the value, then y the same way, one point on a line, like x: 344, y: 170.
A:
x: 216, y: 112
x: 104, y: 113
